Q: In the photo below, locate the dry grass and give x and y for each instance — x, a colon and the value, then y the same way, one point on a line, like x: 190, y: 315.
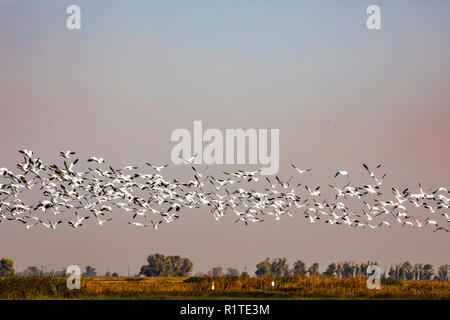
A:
x: 225, y: 288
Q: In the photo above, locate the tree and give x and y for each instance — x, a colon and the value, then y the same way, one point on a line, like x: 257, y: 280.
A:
x: 314, y: 269
x: 216, y: 272
x: 263, y: 268
x: 392, y: 273
x: 406, y: 271
x: 280, y: 268
x: 348, y: 269
x: 6, y: 267
x: 108, y: 274
x: 331, y: 270
x: 418, y: 271
x: 443, y: 272
x: 361, y: 270
x: 115, y: 274
x: 339, y: 270
x: 300, y: 268
x: 233, y: 272
x: 32, y: 271
x: 245, y: 274
x: 158, y: 265
x: 428, y: 272
x: 90, y: 271
x: 180, y: 267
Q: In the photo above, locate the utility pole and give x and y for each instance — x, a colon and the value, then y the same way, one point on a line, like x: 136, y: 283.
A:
x: 128, y: 271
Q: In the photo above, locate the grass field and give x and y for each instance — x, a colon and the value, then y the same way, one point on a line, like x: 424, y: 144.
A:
x: 225, y: 288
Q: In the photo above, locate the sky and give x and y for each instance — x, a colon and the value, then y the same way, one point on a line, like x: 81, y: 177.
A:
x: 340, y: 94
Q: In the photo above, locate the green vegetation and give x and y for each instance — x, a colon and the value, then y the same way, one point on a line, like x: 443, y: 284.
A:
x: 6, y: 267
x: 171, y: 266
x: 298, y: 287
x: 166, y: 277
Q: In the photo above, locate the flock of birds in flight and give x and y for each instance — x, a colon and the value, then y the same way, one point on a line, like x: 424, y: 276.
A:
x: 150, y: 199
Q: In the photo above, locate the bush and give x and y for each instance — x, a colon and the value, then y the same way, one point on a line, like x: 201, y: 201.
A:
x: 391, y: 282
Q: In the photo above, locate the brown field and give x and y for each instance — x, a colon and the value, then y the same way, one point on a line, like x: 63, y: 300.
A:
x: 225, y: 288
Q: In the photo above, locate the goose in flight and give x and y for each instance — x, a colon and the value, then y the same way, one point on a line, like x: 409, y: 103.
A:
x: 44, y: 205
x: 98, y: 160
x: 175, y: 206
x: 51, y: 225
x: 312, y: 219
x: 313, y: 193
x: 66, y: 154
x: 27, y: 153
x: 371, y: 173
x: 300, y: 170
x: 29, y: 226
x: 340, y: 191
x: 284, y: 184
x: 129, y: 168
x: 329, y: 221
x: 341, y: 173
x: 77, y: 223
x: 384, y: 223
x: 5, y: 171
x: 428, y: 221
x: 189, y: 160
x: 442, y: 189
x: 408, y: 223
x: 155, y: 225
x: 101, y: 222
x: 137, y: 224
x: 157, y: 168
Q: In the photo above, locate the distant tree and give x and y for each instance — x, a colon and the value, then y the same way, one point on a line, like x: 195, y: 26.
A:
x: 348, y: 269
x: 158, y: 265
x: 443, y: 272
x: 428, y: 272
x: 90, y: 271
x: 406, y: 271
x: 108, y: 274
x: 314, y: 269
x: 280, y: 268
x: 300, y: 268
x: 32, y: 271
x: 263, y: 268
x: 245, y: 274
x: 339, y: 270
x: 392, y: 273
x: 233, y: 272
x: 6, y: 267
x: 216, y: 272
x: 418, y: 271
x: 331, y: 270
x: 114, y: 274
x: 180, y: 267
x: 361, y: 270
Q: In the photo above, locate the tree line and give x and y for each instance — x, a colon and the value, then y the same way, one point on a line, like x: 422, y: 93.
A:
x: 7, y: 269
x: 159, y: 265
